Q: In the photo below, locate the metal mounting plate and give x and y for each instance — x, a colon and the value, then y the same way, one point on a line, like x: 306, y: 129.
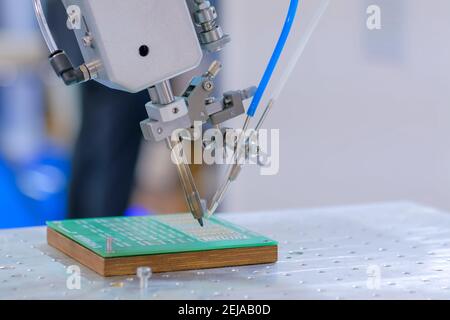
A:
x: 324, y: 254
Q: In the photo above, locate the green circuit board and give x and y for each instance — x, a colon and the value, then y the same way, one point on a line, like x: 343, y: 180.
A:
x: 136, y: 236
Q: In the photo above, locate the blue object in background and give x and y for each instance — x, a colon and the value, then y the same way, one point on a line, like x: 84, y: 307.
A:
x: 11, y: 200
x: 137, y: 211
x: 33, y: 181
x: 34, y: 193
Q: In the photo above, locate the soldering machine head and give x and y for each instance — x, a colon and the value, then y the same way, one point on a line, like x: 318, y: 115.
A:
x: 135, y: 44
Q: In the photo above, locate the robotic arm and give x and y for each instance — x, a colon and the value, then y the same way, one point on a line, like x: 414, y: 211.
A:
x: 137, y: 45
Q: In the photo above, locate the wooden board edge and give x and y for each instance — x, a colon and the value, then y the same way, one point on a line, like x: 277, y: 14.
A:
x: 193, y: 260
x: 76, y: 251
x: 162, y: 262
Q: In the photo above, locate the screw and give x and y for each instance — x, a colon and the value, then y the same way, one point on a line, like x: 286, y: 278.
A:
x: 88, y: 40
x: 208, y: 85
x: 210, y: 100
x: 144, y: 274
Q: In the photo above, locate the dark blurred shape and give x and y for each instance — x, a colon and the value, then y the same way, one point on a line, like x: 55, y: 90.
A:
x: 107, y: 148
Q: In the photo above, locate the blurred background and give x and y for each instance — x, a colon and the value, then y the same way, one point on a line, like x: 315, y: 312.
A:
x: 365, y: 118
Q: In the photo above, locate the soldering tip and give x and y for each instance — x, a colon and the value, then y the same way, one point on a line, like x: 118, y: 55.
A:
x: 201, y: 222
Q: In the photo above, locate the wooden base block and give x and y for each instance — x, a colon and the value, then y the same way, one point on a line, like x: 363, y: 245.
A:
x: 108, y: 267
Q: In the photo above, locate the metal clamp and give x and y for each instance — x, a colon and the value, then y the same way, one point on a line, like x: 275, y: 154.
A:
x: 168, y: 113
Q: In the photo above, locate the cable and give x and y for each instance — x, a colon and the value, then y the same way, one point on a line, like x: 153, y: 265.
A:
x: 294, y: 60
x: 234, y: 170
x: 279, y: 48
x: 300, y: 48
x: 43, y: 25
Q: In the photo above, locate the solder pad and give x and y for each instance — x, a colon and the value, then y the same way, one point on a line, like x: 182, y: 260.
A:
x: 165, y: 243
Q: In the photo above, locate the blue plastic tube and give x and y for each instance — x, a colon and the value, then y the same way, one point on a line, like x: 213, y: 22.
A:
x: 292, y: 12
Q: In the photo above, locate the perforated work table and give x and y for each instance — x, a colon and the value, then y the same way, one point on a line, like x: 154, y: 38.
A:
x: 380, y: 251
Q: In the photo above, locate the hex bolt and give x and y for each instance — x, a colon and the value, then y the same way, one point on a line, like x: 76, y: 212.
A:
x: 208, y: 85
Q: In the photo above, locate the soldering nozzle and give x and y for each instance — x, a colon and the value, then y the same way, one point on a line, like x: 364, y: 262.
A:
x: 200, y: 221
x: 187, y: 181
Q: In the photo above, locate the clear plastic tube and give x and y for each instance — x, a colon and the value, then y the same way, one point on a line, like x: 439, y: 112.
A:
x: 273, y: 62
x: 234, y: 170
x: 300, y: 49
x: 43, y: 25
x: 323, y: 6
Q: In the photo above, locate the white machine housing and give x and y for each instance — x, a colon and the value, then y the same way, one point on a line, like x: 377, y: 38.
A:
x: 115, y: 31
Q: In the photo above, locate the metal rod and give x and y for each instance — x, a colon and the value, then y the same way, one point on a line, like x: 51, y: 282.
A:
x: 232, y: 172
x: 265, y: 114
x: 164, y: 92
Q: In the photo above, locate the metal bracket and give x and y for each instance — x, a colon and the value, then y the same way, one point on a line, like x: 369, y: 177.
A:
x: 233, y: 105
x: 168, y: 113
